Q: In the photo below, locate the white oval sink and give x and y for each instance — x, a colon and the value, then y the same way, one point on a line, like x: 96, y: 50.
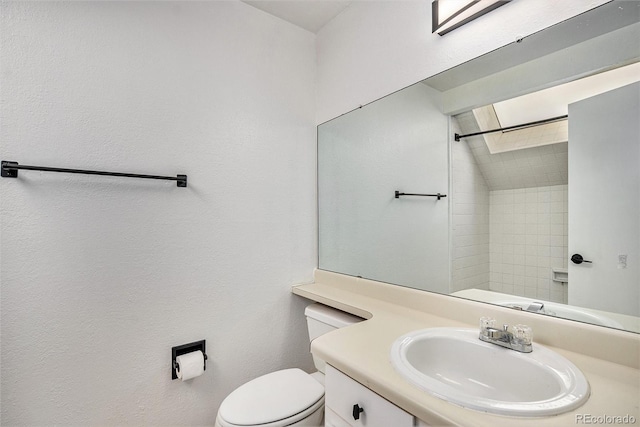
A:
x: 454, y: 365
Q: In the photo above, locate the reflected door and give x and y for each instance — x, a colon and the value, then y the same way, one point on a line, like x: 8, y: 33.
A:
x: 604, y: 201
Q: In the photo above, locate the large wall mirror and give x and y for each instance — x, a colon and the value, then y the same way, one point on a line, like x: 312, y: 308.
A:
x: 542, y: 215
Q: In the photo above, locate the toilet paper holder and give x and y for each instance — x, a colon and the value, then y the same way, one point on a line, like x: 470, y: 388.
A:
x: 184, y: 349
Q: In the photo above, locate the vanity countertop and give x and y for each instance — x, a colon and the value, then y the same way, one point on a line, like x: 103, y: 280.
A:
x: 610, y: 359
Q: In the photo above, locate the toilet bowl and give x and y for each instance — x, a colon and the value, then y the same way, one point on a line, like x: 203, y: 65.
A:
x: 289, y: 397
x: 282, y: 398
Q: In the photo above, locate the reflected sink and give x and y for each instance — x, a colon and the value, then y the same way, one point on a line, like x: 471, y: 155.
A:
x: 454, y: 365
x: 567, y: 312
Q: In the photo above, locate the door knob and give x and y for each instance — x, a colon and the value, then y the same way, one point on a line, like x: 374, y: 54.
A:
x: 578, y: 259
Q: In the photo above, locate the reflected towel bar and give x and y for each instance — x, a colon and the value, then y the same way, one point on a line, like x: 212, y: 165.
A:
x: 438, y: 195
x: 10, y: 170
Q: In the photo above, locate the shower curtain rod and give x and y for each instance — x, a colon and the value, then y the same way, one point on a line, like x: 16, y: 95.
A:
x: 539, y: 122
x: 10, y: 170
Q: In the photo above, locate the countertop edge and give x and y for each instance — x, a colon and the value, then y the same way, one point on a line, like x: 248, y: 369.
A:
x: 607, y: 376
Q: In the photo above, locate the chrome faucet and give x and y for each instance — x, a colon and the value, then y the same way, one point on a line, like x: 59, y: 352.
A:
x: 518, y: 340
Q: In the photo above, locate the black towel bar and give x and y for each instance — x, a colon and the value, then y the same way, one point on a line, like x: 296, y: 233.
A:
x: 438, y: 195
x: 10, y: 170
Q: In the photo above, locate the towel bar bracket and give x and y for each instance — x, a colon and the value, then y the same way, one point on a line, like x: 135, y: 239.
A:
x: 7, y: 170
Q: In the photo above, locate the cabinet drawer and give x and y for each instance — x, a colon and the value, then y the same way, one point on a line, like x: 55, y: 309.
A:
x: 342, y: 394
x: 331, y: 419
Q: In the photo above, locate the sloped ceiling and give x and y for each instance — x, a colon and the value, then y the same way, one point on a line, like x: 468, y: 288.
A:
x: 530, y: 167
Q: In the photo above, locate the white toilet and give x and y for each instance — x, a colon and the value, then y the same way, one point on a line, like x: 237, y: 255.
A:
x: 289, y: 397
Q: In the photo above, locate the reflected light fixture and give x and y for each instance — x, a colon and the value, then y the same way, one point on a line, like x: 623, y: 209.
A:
x: 447, y: 15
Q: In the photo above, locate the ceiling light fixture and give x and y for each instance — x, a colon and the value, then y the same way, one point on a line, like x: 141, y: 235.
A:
x: 447, y: 15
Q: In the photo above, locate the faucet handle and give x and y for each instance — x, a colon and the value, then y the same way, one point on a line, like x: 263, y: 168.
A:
x: 523, y: 334
x: 487, y: 322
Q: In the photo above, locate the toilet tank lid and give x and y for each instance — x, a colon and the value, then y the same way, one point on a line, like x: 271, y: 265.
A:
x: 331, y: 316
x: 272, y: 397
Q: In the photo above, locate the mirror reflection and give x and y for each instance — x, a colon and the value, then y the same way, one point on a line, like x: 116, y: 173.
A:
x: 520, y: 203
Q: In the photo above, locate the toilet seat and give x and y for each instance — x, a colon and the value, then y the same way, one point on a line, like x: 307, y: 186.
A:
x: 276, y: 399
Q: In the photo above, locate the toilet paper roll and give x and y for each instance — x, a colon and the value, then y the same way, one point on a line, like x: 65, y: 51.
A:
x: 190, y: 365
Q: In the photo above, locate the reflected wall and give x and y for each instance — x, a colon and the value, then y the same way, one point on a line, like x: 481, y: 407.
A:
x: 396, y: 143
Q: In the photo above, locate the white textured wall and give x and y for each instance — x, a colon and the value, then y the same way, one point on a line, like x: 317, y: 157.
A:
x: 102, y: 276
x: 376, y: 47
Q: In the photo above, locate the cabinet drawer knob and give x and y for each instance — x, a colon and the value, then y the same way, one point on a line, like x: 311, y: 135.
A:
x: 356, y: 411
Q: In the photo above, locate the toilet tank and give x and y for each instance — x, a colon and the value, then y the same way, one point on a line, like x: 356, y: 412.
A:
x: 322, y: 319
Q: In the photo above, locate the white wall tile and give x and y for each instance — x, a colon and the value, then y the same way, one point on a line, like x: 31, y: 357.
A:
x: 470, y: 218
x: 526, y: 240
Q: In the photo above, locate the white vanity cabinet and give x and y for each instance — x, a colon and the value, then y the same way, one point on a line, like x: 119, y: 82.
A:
x: 350, y: 404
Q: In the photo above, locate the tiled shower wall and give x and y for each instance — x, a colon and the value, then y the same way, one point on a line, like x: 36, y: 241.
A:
x: 504, y: 222
x: 470, y: 220
x: 528, y: 237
